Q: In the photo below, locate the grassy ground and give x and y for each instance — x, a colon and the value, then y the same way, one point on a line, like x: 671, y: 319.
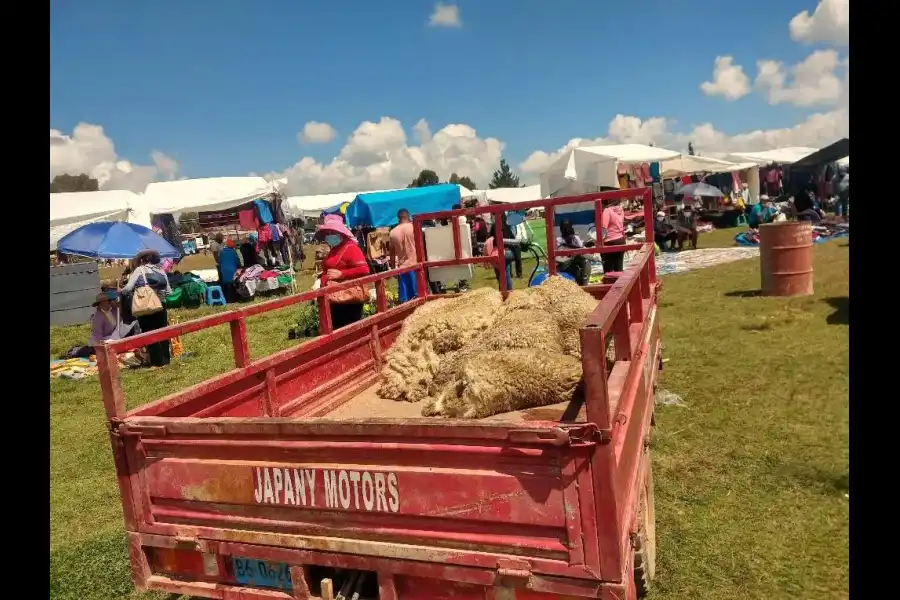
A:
x: 751, y: 475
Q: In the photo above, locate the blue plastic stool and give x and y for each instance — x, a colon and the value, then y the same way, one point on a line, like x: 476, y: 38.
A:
x: 214, y: 296
x: 742, y: 220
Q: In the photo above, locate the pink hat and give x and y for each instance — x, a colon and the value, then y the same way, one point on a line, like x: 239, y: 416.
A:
x: 332, y: 224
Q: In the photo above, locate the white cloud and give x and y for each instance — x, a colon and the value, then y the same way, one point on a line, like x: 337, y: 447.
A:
x: 821, y: 79
x: 315, y: 132
x: 378, y: 155
x: 445, y: 15
x: 829, y: 23
x: 729, y: 80
x: 816, y: 131
x: 814, y: 81
x: 88, y: 150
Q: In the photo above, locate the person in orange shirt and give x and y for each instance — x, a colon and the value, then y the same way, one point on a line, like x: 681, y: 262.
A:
x: 403, y: 254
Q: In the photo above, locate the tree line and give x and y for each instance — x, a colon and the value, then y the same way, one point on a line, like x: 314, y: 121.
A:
x: 503, y: 177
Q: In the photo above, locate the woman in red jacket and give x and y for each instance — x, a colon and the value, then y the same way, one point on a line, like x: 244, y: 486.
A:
x: 345, y: 261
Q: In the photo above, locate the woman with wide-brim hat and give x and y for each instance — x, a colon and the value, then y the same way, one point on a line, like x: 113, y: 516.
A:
x: 147, y: 271
x: 345, y: 261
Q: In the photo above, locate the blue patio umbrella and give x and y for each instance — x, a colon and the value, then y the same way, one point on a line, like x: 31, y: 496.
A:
x: 704, y: 190
x: 114, y: 239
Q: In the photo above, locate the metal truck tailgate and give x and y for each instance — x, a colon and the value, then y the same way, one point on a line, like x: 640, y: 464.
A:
x: 462, y: 494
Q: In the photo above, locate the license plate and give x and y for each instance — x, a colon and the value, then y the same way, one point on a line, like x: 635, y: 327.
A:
x: 260, y: 573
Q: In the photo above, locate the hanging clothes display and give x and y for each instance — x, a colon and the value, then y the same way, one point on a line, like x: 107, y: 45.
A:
x: 164, y: 225
x: 245, y: 220
x: 219, y: 218
x: 643, y: 176
x: 263, y: 211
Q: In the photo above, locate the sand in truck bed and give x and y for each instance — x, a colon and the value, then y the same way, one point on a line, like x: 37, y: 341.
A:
x: 367, y: 405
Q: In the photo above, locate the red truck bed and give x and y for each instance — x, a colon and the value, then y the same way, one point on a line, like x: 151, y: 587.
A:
x: 288, y: 470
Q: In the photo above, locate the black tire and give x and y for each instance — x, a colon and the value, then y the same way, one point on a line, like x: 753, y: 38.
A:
x: 645, y: 539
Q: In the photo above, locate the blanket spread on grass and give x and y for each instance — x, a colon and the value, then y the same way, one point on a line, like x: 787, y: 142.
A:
x: 689, y: 260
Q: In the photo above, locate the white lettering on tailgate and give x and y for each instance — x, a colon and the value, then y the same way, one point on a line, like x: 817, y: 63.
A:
x: 342, y: 489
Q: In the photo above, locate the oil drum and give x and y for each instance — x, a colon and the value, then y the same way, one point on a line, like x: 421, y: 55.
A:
x: 786, y: 259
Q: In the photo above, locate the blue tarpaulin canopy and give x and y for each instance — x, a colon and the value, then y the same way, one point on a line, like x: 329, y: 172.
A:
x: 114, y: 239
x: 379, y: 209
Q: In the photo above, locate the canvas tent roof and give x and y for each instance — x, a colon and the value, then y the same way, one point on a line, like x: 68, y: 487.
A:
x: 379, y: 209
x: 784, y: 156
x: 687, y: 165
x: 595, y: 166
x: 206, y: 194
x: 512, y: 195
x: 829, y: 154
x: 69, y: 211
x: 73, y: 207
x: 295, y: 207
x: 310, y: 207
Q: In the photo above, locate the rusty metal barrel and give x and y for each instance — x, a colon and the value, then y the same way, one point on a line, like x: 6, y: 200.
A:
x: 786, y: 259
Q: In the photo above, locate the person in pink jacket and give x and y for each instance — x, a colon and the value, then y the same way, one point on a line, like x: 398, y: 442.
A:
x: 612, y: 230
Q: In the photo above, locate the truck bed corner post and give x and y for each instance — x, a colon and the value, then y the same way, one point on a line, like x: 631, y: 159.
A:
x: 110, y: 385
x: 603, y: 462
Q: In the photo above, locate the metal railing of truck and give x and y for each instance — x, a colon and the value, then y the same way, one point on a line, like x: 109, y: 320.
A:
x: 632, y: 288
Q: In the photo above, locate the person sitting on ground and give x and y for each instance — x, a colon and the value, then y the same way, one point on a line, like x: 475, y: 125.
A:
x: 106, y: 322
x: 761, y: 213
x: 686, y: 227
x: 803, y: 208
x: 664, y: 231
x: 576, y: 266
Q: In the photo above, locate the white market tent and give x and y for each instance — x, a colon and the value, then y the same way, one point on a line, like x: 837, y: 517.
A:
x: 310, y: 207
x: 71, y: 210
x: 465, y: 192
x: 81, y: 206
x: 690, y: 165
x: 512, y: 195
x: 782, y: 156
x: 206, y: 194
x: 588, y: 168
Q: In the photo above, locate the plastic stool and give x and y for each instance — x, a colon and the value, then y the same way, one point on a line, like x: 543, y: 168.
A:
x: 214, y: 296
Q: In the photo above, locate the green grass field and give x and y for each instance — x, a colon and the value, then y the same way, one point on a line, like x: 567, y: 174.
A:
x: 752, y: 475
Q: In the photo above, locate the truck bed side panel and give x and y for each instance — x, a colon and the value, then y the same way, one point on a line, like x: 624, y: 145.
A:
x: 416, y: 497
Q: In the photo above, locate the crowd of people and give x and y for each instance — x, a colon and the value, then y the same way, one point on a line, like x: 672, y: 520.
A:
x: 672, y: 234
x: 145, y: 281
x: 233, y: 257
x: 136, y: 303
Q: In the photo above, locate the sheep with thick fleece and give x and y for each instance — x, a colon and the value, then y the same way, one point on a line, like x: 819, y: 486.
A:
x: 498, y: 381
x: 537, y: 338
x: 570, y: 306
x: 521, y: 329
x: 435, y: 329
x: 476, y: 356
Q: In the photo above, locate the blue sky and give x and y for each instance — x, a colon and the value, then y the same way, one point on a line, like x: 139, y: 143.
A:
x: 223, y: 86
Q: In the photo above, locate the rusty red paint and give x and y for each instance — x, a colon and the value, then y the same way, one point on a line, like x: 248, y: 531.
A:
x: 434, y: 507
